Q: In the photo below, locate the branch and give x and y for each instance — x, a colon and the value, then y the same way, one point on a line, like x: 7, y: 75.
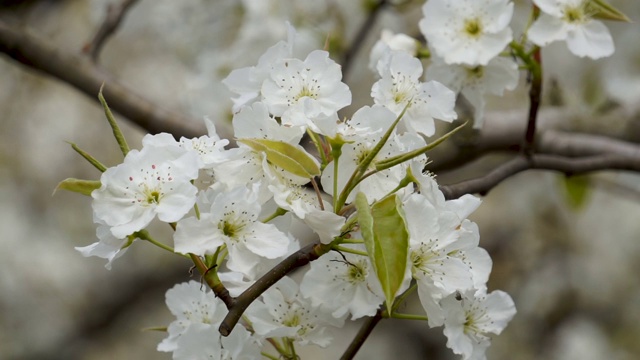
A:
x: 297, y: 259
x: 502, y: 132
x: 362, y: 34
x: 84, y: 75
x: 568, y: 166
x: 114, y: 17
x: 362, y: 335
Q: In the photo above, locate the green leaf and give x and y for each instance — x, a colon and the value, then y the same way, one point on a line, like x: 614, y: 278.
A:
x: 387, y: 241
x: 291, y: 158
x: 117, y: 133
x: 84, y: 187
x: 577, y: 191
x: 97, y: 164
x: 399, y: 159
x: 605, y: 11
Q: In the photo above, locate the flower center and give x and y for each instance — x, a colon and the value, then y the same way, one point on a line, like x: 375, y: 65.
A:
x: 153, y: 197
x: 306, y: 92
x: 473, y: 27
x: 574, y: 15
x: 476, y: 72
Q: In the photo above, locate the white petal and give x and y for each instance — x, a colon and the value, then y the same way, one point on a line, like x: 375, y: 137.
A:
x: 592, y: 40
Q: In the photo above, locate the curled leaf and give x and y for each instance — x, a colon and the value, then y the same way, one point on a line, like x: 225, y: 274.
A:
x: 84, y: 187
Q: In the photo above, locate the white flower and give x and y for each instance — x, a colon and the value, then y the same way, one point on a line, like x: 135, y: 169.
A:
x: 150, y: 182
x: 469, y: 318
x: 400, y: 87
x: 343, y: 284
x: 389, y: 42
x: 108, y: 247
x: 572, y: 21
x: 210, y: 148
x: 194, y: 334
x: 433, y: 236
x: 247, y: 82
x: 363, y: 132
x: 283, y: 312
x: 474, y: 81
x: 303, y: 91
x: 233, y: 221
x: 246, y: 166
x: 468, y: 32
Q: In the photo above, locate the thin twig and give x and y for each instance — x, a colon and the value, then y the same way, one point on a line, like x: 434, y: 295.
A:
x: 299, y: 258
x: 365, y: 29
x: 113, y: 18
x: 362, y: 335
x: 568, y: 166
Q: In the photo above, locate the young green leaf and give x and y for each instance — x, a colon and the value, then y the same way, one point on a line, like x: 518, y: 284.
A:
x: 84, y: 187
x: 117, y: 133
x: 386, y: 239
x: 291, y: 158
x: 97, y: 164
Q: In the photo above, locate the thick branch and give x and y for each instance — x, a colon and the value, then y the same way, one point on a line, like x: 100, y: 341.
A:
x: 569, y: 166
x: 113, y: 18
x: 84, y: 75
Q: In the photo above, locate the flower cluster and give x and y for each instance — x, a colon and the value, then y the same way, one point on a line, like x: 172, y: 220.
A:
x: 467, y: 37
x: 383, y: 229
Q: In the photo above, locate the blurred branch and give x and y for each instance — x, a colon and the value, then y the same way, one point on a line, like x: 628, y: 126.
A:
x: 568, y: 166
x: 84, y: 75
x: 113, y: 18
x: 361, y: 36
x: 502, y: 132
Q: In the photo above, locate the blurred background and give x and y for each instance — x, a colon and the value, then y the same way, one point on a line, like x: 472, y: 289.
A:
x: 570, y: 260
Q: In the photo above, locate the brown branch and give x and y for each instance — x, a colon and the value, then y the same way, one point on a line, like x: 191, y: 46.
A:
x: 113, y: 18
x: 362, y: 335
x: 361, y: 35
x: 535, y: 93
x: 81, y: 73
x: 502, y: 132
x: 568, y: 166
x: 297, y: 259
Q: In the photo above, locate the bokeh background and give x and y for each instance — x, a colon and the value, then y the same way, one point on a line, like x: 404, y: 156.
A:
x: 572, y: 264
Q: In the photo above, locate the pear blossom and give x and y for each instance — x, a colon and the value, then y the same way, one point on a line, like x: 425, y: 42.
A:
x: 305, y: 204
x: 232, y: 220
x: 400, y: 87
x: 470, y: 32
x: 107, y: 247
x: 194, y: 334
x: 247, y: 82
x: 571, y: 21
x: 283, y: 312
x: 210, y: 148
x: 243, y: 165
x: 302, y: 91
x: 343, y: 284
x: 474, y: 81
x: 433, y: 236
x: 469, y: 318
x: 366, y: 126
x: 390, y: 42
x: 155, y: 181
